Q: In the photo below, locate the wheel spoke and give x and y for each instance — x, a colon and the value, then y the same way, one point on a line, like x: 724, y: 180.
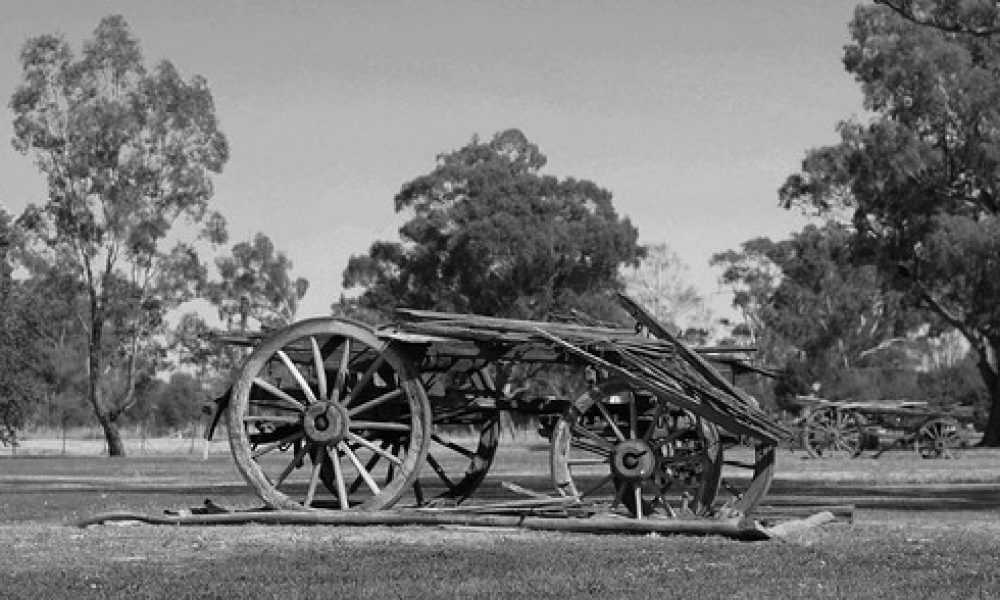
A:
x: 633, y: 418
x: 296, y: 459
x: 621, y: 488
x: 313, y: 480
x: 293, y: 404
x: 383, y: 452
x: 366, y: 378
x: 294, y: 370
x: 396, y: 393
x: 318, y: 362
x: 611, y: 421
x: 345, y: 359
x: 338, y: 476
x: 356, y: 484
x: 603, y: 482
x: 288, y: 439
x: 272, y: 419
x: 362, y: 472
x: 453, y: 446
x: 436, y: 467
x: 379, y: 426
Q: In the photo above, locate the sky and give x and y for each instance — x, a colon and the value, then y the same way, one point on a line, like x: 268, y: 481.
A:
x: 691, y: 112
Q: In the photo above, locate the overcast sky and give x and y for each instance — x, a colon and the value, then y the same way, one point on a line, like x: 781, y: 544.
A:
x: 691, y: 112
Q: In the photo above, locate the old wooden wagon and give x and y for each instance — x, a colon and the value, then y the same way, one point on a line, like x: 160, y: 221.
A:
x: 329, y: 414
x: 846, y: 429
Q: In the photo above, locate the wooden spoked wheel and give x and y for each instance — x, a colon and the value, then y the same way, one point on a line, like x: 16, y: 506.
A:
x: 326, y: 415
x: 831, y: 432
x: 465, y: 434
x: 938, y: 438
x: 638, y: 451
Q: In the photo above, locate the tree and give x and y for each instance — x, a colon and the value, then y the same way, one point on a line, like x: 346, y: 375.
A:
x: 127, y: 153
x: 256, y: 283
x: 922, y: 176
x: 490, y: 234
x: 973, y: 17
x: 812, y: 309
x: 659, y: 283
x: 22, y: 359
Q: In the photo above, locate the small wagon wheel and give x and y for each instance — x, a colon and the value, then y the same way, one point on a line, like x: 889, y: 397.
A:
x: 938, y: 438
x: 649, y: 456
x: 325, y: 401
x: 830, y: 432
x: 465, y: 434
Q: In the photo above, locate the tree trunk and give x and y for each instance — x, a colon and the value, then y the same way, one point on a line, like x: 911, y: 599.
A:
x: 111, y: 435
x: 987, y: 368
x: 991, y: 436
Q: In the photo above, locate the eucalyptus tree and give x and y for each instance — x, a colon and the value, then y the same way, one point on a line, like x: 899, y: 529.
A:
x: 922, y: 174
x: 127, y: 153
x: 255, y: 282
x: 22, y: 355
x: 660, y: 283
x: 811, y: 309
x: 488, y: 233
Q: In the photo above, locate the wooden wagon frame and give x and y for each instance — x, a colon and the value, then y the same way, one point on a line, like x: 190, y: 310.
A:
x: 329, y: 414
x: 839, y: 428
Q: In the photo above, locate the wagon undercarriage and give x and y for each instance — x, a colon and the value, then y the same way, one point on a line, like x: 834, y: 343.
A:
x: 333, y: 415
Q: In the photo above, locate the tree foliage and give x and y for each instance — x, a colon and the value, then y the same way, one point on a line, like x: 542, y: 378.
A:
x: 811, y: 309
x: 490, y: 234
x: 922, y: 176
x: 127, y: 153
x: 255, y: 282
x: 972, y: 17
x: 22, y: 358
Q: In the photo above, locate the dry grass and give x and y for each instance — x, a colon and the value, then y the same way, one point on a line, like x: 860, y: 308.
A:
x: 885, y: 553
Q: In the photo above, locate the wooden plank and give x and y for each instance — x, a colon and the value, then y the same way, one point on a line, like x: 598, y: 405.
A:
x: 659, y: 389
x: 647, y: 320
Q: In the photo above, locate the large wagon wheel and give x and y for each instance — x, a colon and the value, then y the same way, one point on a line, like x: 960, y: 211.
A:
x: 938, y: 438
x: 325, y: 401
x: 830, y: 432
x: 465, y: 434
x: 647, y: 455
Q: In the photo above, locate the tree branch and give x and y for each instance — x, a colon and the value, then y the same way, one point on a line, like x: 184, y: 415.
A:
x: 904, y: 8
x: 952, y: 319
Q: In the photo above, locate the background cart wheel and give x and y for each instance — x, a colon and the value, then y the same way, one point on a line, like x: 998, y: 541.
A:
x: 938, y: 438
x: 831, y: 432
x: 465, y: 435
x: 641, y: 453
x: 325, y: 401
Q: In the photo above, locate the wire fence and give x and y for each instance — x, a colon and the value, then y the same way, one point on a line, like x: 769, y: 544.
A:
x: 90, y: 442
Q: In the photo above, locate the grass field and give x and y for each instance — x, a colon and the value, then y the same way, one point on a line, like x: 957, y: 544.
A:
x: 924, y: 529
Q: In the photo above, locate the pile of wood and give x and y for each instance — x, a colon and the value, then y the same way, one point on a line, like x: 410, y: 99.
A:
x: 658, y: 363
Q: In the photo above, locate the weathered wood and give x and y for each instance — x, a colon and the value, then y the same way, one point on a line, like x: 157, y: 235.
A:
x: 644, y: 318
x: 675, y: 396
x: 732, y: 527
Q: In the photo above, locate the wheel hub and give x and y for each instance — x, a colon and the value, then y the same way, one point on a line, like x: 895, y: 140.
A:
x: 325, y: 423
x: 633, y: 460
